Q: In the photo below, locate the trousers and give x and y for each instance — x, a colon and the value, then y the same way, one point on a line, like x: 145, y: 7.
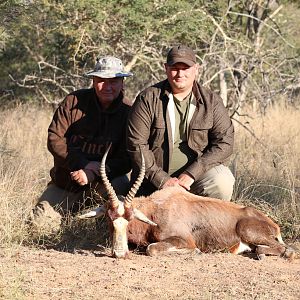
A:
x: 218, y: 182
x: 55, y: 202
x: 64, y: 200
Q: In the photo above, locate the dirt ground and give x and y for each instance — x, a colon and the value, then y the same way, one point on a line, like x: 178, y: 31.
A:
x: 92, y: 274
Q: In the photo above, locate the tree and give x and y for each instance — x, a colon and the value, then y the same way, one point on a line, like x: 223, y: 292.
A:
x: 248, y: 56
x: 10, y: 13
x: 63, y: 39
x: 243, y: 52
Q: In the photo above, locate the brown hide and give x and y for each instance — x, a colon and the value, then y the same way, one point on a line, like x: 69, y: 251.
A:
x: 210, y: 224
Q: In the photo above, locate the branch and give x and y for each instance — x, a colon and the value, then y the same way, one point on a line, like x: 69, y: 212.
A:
x: 267, y: 25
x: 78, y: 47
x: 32, y: 77
x: 263, y: 145
x: 223, y: 70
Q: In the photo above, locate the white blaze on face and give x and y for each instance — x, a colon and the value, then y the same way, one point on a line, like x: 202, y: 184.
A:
x: 120, y: 247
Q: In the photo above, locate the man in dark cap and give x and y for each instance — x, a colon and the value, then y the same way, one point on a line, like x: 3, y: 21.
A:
x: 183, y: 130
x: 83, y: 126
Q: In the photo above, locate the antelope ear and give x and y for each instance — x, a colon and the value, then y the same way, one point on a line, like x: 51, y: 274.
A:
x: 140, y: 216
x: 95, y: 213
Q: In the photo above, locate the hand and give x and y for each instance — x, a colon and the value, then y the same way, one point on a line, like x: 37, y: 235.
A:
x: 173, y: 181
x: 185, y: 181
x: 82, y: 177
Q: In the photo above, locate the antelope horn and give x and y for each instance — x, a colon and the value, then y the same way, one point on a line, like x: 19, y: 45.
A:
x: 109, y: 189
x: 142, y: 217
x: 136, y: 185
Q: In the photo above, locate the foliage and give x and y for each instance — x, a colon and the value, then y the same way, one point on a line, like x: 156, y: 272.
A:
x: 244, y: 46
x: 9, y: 12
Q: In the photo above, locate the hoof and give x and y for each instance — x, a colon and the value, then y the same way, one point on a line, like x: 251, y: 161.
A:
x: 289, y: 254
x: 261, y: 256
x: 197, y: 251
x: 151, y: 250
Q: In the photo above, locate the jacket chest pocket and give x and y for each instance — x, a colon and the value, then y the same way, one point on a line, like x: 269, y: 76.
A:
x: 199, y: 137
x: 157, y: 133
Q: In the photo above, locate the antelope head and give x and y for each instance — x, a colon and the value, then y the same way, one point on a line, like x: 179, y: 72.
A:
x: 119, y: 210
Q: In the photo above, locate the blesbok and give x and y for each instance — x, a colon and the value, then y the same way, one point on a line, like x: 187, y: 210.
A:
x: 175, y: 220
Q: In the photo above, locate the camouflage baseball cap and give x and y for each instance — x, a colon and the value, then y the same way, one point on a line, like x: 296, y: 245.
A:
x: 181, y: 54
x: 109, y: 67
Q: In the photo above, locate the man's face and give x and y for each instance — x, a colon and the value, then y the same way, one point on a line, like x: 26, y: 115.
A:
x: 107, y: 89
x: 181, y: 76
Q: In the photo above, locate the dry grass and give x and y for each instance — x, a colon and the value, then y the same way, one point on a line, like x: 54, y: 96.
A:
x: 24, y: 164
x: 266, y: 169
x: 267, y: 165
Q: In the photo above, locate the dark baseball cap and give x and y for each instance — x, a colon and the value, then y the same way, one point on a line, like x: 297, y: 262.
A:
x: 181, y: 54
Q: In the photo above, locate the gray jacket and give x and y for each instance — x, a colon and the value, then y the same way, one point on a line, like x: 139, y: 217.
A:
x: 151, y: 126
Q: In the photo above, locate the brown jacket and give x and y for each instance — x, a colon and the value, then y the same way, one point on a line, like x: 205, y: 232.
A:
x: 210, y: 132
x: 80, y: 132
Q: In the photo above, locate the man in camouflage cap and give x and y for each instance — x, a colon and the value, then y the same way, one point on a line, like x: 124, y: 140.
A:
x: 84, y: 124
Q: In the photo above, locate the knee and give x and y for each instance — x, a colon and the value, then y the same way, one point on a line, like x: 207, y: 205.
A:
x: 216, y: 183
x: 45, y: 218
x: 223, y: 185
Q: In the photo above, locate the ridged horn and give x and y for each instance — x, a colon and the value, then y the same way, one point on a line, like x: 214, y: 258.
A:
x: 109, y: 189
x: 136, y: 185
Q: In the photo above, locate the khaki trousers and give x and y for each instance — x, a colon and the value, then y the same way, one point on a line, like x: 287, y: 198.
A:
x: 55, y: 202
x: 71, y: 202
x: 217, y: 182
